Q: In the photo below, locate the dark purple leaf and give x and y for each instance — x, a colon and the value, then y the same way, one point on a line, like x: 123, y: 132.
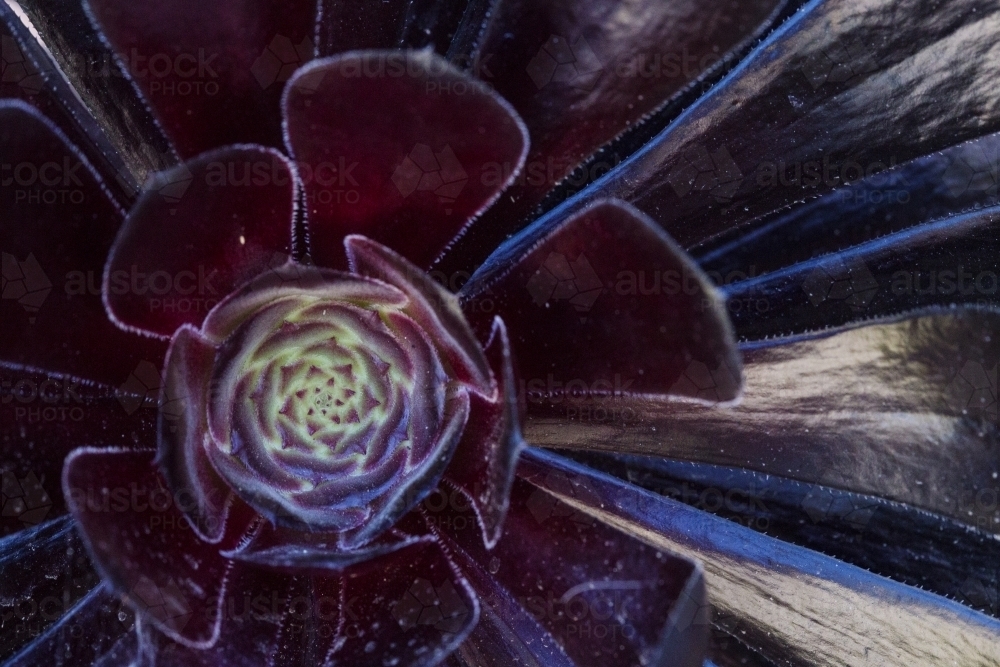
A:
x: 144, y: 547
x: 581, y: 74
x: 793, y: 605
x: 431, y: 306
x: 182, y: 428
x: 485, y: 459
x: 212, y: 72
x: 507, y: 635
x: 576, y: 587
x: 409, y: 607
x: 603, y: 305
x: 268, y: 618
x: 904, y: 410
x: 57, y: 227
x: 293, y: 551
x: 435, y: 151
x: 199, y: 231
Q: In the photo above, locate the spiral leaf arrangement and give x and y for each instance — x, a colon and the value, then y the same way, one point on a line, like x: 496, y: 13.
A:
x: 331, y: 408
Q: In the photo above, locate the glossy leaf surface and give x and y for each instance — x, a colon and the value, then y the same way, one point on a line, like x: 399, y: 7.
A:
x: 603, y: 304
x: 792, y: 605
x: 213, y: 72
x: 46, y: 574
x: 815, y: 97
x: 895, y: 540
x: 904, y: 409
x: 548, y: 590
x: 57, y: 227
x: 142, y: 545
x: 485, y: 459
x: 411, y: 176
x: 941, y: 263
x: 199, y: 231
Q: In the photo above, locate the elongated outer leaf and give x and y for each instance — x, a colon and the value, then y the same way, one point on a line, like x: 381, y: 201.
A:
x: 795, y: 606
x: 97, y: 631
x: 902, y: 542
x: 955, y: 260
x: 945, y: 184
x: 57, y: 226
x: 44, y: 573
x: 25, y: 80
x: 904, y: 409
x: 87, y: 95
x: 583, y: 73
x: 844, y: 88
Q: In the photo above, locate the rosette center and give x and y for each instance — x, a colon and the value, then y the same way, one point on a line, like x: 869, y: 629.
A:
x: 325, y: 410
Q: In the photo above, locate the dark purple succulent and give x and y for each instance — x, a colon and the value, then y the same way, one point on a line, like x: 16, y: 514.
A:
x: 294, y: 292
